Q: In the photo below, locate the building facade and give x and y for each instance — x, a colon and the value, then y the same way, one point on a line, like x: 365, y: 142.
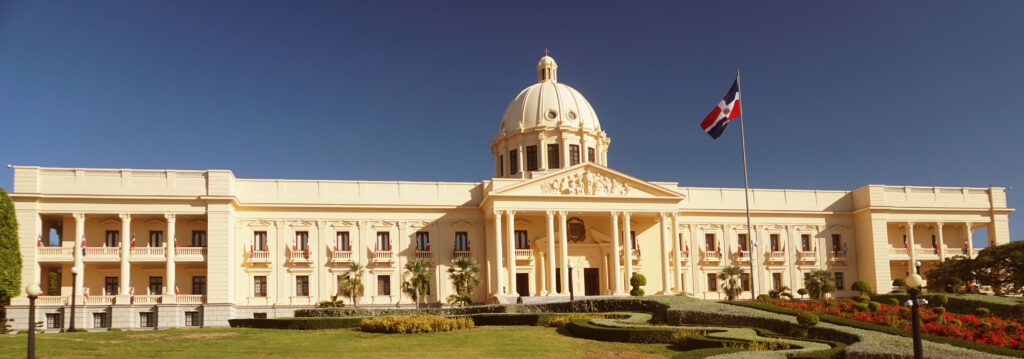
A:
x: 177, y: 248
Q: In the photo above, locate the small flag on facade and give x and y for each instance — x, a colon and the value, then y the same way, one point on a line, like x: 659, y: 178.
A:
x: 85, y: 296
x: 307, y: 250
x: 131, y: 294
x: 83, y: 245
x: 905, y: 244
x: 845, y: 248
x: 726, y: 110
x: 428, y: 247
x: 133, y: 240
x: 176, y: 291
x: 39, y: 241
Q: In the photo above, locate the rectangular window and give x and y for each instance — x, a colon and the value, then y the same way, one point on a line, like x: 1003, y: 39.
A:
x: 805, y: 242
x: 712, y: 282
x: 99, y: 320
x: 745, y: 281
x: 156, y: 238
x: 776, y: 281
x: 591, y: 154
x: 260, y: 240
x: 839, y: 280
x: 422, y: 241
x: 302, y: 240
x: 462, y: 241
x: 384, y: 285
x: 199, y: 284
x: 383, y: 241
x: 112, y: 239
x: 343, y: 242
x: 259, y: 286
x: 709, y: 242
x: 521, y: 240
x: 146, y: 319
x: 259, y: 315
x: 837, y: 244
x: 54, y: 321
x: 773, y: 240
x: 156, y: 285
x: 574, y: 155
x: 513, y: 162
x: 553, y: 156
x: 531, y: 158
x: 743, y: 242
x: 302, y: 285
x: 501, y: 166
x: 192, y: 319
x: 199, y: 238
x: 110, y: 285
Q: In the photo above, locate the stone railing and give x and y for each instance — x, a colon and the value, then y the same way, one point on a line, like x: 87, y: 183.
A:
x: 190, y: 298
x: 101, y: 299
x: 424, y: 254
x: 111, y: 252
x: 259, y: 256
x: 524, y: 254
x: 809, y: 256
x: 926, y: 251
x: 52, y: 300
x: 190, y: 251
x: 148, y: 252
x: 683, y: 255
x: 55, y: 253
x: 341, y: 256
x: 898, y: 251
x: 299, y: 256
x: 838, y: 256
x: 743, y: 256
x: 382, y: 256
x: 147, y: 299
x: 711, y: 256
x: 777, y: 256
x: 462, y: 254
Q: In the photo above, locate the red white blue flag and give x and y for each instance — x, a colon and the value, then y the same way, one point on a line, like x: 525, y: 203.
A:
x: 727, y: 109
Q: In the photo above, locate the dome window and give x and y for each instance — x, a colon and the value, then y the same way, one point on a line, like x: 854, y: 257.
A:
x: 571, y: 116
x: 552, y: 114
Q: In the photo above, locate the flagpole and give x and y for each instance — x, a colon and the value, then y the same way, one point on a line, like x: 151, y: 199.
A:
x: 746, y: 189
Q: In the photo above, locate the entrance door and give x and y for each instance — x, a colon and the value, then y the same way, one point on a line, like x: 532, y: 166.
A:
x: 591, y: 281
x: 523, y: 284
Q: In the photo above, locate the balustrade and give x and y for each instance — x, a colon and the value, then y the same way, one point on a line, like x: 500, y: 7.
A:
x: 341, y: 256
x: 259, y: 256
x: 462, y: 254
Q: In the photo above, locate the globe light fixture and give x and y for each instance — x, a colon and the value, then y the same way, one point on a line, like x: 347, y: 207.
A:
x: 74, y: 293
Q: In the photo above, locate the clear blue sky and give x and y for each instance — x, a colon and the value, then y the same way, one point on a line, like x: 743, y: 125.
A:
x: 837, y: 95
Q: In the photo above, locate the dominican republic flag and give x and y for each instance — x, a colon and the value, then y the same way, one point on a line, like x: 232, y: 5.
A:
x: 83, y: 245
x: 966, y: 247
x: 85, y: 296
x: 133, y: 240
x: 428, y: 247
x: 350, y: 247
x: 175, y: 242
x: 905, y: 245
x: 307, y: 251
x: 845, y: 248
x: 39, y: 241
x: 935, y: 244
x: 687, y: 247
x: 131, y: 294
x: 727, y: 109
x: 176, y: 291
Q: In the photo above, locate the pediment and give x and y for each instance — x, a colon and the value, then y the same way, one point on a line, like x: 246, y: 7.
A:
x: 589, y: 180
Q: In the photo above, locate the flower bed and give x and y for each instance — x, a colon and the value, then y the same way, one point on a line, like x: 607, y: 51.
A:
x: 991, y: 330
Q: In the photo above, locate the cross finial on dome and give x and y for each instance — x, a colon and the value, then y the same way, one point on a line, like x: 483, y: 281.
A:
x: 547, y: 68
x: 545, y: 51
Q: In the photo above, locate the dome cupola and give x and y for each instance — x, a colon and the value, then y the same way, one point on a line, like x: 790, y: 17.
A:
x: 547, y: 126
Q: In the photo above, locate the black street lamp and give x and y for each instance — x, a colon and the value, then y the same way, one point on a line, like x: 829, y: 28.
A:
x: 33, y: 292
x: 74, y: 286
x: 571, y: 296
x: 914, y: 282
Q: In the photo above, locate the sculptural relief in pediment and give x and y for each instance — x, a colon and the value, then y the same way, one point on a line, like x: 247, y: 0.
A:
x: 586, y: 183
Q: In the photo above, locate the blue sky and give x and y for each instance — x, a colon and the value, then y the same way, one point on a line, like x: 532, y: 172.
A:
x: 836, y: 95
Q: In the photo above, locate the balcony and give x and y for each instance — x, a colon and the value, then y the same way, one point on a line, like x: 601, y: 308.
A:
x: 424, y: 254
x: 382, y: 256
x: 462, y: 254
x: 776, y: 256
x: 100, y: 300
x: 190, y: 299
x: 102, y: 254
x: 743, y: 256
x: 259, y: 257
x: 148, y: 254
x: 298, y: 257
x: 807, y: 256
x: 684, y: 256
x: 711, y: 256
x: 931, y: 252
x: 524, y: 254
x: 190, y: 254
x: 147, y: 299
x: 54, y: 300
x: 56, y: 254
x: 341, y: 256
x: 839, y: 256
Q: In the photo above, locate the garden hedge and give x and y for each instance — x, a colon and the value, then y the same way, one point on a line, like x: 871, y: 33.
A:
x: 297, y: 323
x: 885, y: 329
x: 965, y: 304
x: 653, y: 334
x: 579, y: 306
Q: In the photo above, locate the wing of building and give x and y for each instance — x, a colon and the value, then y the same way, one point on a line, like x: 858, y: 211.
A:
x: 176, y: 248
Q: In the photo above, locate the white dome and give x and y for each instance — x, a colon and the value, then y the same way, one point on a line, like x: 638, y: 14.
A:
x: 548, y: 104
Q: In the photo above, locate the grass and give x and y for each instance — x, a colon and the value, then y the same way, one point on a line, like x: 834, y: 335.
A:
x: 489, y: 342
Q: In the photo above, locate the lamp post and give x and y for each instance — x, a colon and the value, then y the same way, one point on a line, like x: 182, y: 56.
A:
x: 571, y: 296
x: 33, y: 292
x: 914, y: 283
x: 74, y: 293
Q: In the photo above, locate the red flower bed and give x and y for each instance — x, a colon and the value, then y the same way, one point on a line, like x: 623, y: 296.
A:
x: 991, y: 330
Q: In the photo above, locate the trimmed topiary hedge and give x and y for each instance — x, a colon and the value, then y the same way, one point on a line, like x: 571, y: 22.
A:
x: 296, y: 323
x: 654, y: 334
x: 579, y: 306
x: 963, y: 303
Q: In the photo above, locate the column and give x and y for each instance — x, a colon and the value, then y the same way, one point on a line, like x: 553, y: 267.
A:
x: 542, y: 152
x: 678, y: 280
x: 697, y: 282
x: 510, y: 217
x: 910, y: 249
x: 171, y: 248
x: 628, y: 246
x: 521, y: 158
x: 942, y: 245
x: 80, y: 233
x: 563, y: 252
x: 126, y: 267
x: 970, y: 240
x: 551, y: 252
x: 616, y: 272
x: 498, y: 266
x: 663, y: 223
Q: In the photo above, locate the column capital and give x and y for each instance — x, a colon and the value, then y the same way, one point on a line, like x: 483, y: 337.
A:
x: 125, y: 216
x: 939, y: 224
x: 499, y: 213
x: 563, y: 213
x: 615, y: 214
x: 626, y: 214
x: 910, y: 224
x: 550, y: 213
x: 171, y: 217
x: 510, y: 213
x: 664, y: 215
x: 79, y: 216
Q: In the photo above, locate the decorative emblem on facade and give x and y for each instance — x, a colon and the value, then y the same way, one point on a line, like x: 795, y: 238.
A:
x: 576, y: 231
x: 586, y: 183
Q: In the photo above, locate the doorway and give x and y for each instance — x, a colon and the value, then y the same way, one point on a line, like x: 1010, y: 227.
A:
x: 591, y: 281
x: 523, y: 284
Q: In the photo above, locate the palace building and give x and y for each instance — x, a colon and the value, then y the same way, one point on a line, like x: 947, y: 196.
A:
x: 180, y: 248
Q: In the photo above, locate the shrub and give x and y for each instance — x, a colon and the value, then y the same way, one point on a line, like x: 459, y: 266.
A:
x: 956, y: 321
x: 893, y: 302
x: 802, y: 292
x: 861, y: 298
x: 939, y: 310
x: 114, y: 330
x: 862, y: 286
x: 938, y: 300
x: 764, y: 298
x: 563, y: 320
x: 982, y: 312
x: 651, y: 334
x: 637, y: 280
x: 899, y: 282
x: 414, y: 324
x: 807, y: 319
x: 898, y: 291
x: 985, y: 325
x: 296, y: 323
x: 874, y: 306
x: 861, y: 307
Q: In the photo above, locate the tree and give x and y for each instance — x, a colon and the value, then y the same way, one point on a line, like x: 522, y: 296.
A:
x: 956, y: 267
x: 465, y: 276
x: 1001, y: 267
x: 730, y: 278
x: 351, y: 284
x: 802, y: 292
x: 10, y: 253
x: 416, y: 279
x: 862, y: 286
x: 334, y: 302
x: 819, y: 284
x: 782, y: 291
x: 636, y: 281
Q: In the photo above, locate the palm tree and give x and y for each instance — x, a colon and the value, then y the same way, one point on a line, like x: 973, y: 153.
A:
x: 417, y: 285
x: 334, y: 302
x: 351, y: 284
x: 783, y: 291
x: 465, y: 276
x: 730, y: 277
x: 819, y: 284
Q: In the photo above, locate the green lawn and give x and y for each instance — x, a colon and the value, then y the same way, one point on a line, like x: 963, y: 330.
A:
x: 488, y: 341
